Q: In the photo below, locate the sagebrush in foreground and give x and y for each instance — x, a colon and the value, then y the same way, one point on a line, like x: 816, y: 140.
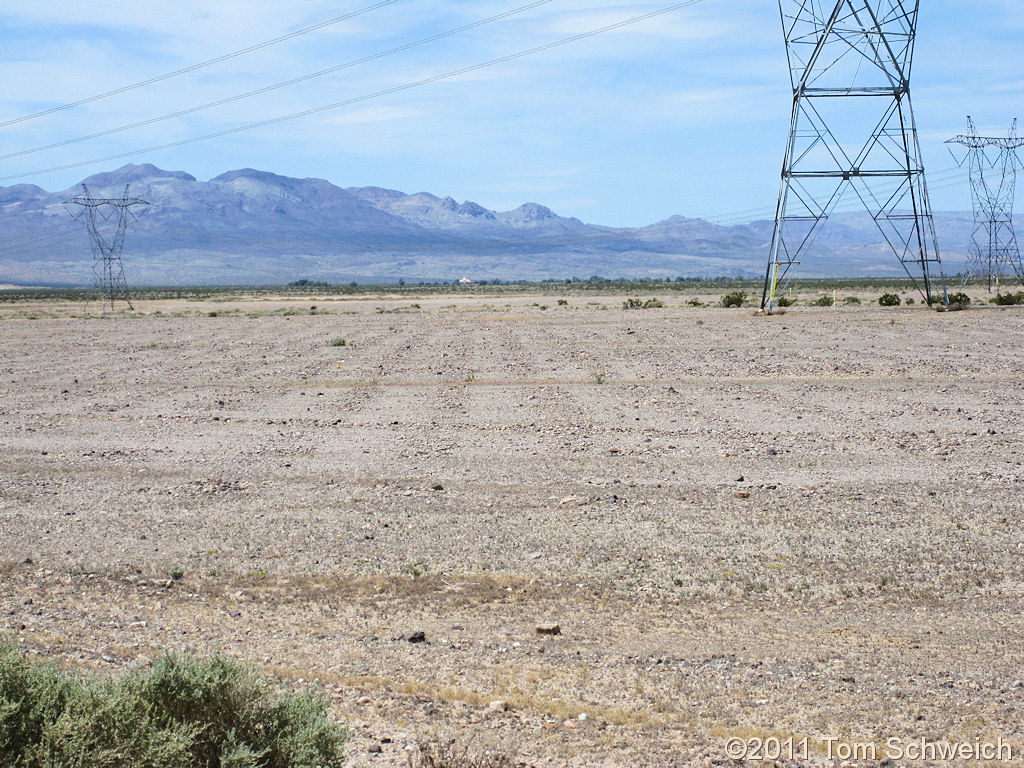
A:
x: 183, y: 712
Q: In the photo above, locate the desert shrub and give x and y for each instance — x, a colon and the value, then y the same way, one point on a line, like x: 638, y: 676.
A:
x: 784, y: 302
x: 448, y: 754
x: 695, y: 302
x: 909, y: 301
x: 184, y: 711
x: 1008, y: 299
x: 734, y: 299
x: 850, y: 300
x: 960, y: 298
x: 339, y: 342
x: 889, y: 300
x: 636, y: 303
x: 32, y: 696
x: 824, y: 301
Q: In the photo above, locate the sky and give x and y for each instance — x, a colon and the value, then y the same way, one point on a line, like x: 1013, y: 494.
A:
x: 686, y: 113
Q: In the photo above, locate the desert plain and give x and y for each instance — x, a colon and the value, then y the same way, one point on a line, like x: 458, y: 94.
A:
x: 628, y: 538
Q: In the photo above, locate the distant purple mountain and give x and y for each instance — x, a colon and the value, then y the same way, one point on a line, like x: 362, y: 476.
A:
x: 252, y: 227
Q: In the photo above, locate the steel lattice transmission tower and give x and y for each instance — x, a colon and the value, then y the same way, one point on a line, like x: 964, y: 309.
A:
x: 852, y: 130
x: 107, y: 268
x: 992, y: 163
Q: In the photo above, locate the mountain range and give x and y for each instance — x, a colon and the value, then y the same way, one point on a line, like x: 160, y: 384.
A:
x: 253, y: 227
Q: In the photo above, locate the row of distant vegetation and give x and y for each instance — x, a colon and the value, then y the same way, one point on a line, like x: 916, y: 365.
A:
x: 595, y: 285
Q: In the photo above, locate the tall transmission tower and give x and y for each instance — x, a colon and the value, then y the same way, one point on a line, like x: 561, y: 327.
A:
x: 107, y: 268
x: 992, y: 163
x: 852, y: 130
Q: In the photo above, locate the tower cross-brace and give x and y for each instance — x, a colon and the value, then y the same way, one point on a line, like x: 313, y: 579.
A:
x: 108, y: 270
x: 852, y: 129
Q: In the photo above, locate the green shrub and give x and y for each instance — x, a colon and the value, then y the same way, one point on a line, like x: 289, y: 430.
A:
x: 909, y: 301
x: 734, y: 299
x: 960, y: 299
x: 339, y: 342
x: 850, y: 300
x: 824, y: 301
x: 1008, y: 299
x: 183, y: 712
x: 889, y: 300
x: 784, y: 302
x: 635, y: 303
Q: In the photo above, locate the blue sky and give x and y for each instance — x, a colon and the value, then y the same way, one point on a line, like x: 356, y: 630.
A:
x: 684, y: 114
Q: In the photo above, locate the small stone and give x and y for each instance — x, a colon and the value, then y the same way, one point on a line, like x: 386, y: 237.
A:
x: 374, y: 749
x: 549, y: 629
x: 27, y: 601
x: 533, y: 556
x: 739, y: 479
x: 499, y: 705
x: 417, y: 637
x: 437, y: 487
x: 741, y: 494
x: 27, y: 561
x: 363, y: 700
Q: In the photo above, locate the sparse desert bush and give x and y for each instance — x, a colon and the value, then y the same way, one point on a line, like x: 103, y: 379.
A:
x: 448, y: 754
x: 909, y: 301
x: 184, y: 711
x: 850, y: 300
x: 824, y: 301
x: 695, y: 302
x: 889, y: 300
x: 339, y: 342
x: 959, y: 298
x: 1008, y: 299
x: 636, y: 303
x: 734, y: 299
x: 784, y: 302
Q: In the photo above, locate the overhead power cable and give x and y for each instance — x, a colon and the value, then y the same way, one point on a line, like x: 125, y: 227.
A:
x: 369, y: 96
x: 276, y: 86
x: 200, y: 65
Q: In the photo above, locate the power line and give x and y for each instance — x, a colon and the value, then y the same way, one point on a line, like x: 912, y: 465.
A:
x: 202, y: 64
x: 369, y: 96
x: 293, y: 81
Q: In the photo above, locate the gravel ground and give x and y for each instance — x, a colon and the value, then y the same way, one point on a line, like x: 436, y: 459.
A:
x: 807, y: 525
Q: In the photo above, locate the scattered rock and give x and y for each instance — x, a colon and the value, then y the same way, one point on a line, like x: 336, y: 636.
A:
x: 549, y: 629
x: 417, y: 637
x: 500, y: 705
x: 533, y: 556
x: 741, y: 494
x: 374, y: 749
x: 437, y: 487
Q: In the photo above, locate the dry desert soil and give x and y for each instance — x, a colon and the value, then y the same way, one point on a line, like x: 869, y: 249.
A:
x: 801, y: 526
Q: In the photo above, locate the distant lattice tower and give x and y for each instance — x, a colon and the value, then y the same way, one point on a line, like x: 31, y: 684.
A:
x: 108, y: 270
x: 852, y: 130
x: 992, y: 163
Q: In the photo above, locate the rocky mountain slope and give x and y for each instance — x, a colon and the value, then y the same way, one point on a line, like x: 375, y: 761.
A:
x: 250, y: 227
